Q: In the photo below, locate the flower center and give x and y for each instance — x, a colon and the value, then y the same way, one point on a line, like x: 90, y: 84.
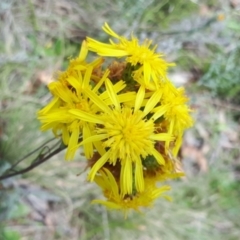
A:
x: 129, y: 134
x: 83, y: 105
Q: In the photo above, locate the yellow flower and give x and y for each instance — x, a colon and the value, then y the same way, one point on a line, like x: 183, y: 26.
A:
x: 115, y: 200
x: 150, y: 67
x: 127, y: 134
x: 56, y: 115
x: 130, y: 119
x: 69, y: 93
x: 170, y: 170
x: 176, y: 113
x: 76, y: 69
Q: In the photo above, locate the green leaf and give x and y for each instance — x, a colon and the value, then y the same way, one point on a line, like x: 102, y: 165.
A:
x: 58, y: 47
x: 19, y: 210
x: 10, y: 235
x: 234, y: 25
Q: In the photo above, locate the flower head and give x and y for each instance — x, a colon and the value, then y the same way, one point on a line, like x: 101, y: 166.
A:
x: 127, y: 135
x: 129, y: 118
x: 135, y: 201
x: 176, y: 118
x: 69, y: 93
x: 56, y: 115
x: 151, y: 68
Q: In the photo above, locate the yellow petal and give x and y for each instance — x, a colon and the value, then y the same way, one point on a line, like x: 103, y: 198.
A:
x: 97, y: 100
x: 139, y: 98
x: 113, y: 96
x: 85, y: 116
x: 139, y: 177
x: 162, y: 137
x: 83, y: 52
x: 158, y: 157
x: 126, y: 177
x: 152, y: 101
x: 97, y: 166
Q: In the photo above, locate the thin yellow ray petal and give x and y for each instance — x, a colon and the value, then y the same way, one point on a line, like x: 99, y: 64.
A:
x: 139, y: 98
x: 111, y: 52
x: 126, y: 177
x: 117, y: 88
x: 60, y: 91
x: 120, y: 85
x: 93, y: 45
x: 97, y: 166
x: 59, y: 115
x: 108, y: 30
x: 101, y: 180
x: 113, y: 96
x: 112, y: 182
x: 79, y: 67
x: 170, y: 131
x: 83, y: 52
x: 47, y: 126
x: 87, y: 77
x: 88, y: 147
x: 85, y: 116
x: 73, y: 141
x: 147, y: 72
x: 100, y: 149
x: 160, y: 191
x: 104, y: 49
x: 158, y: 157
x: 177, y: 146
x: 161, y: 137
x: 52, y: 104
x: 75, y: 83
x: 97, y: 100
x: 65, y: 135
x: 152, y: 101
x: 96, y: 63
x: 139, y: 181
x: 100, y: 83
x: 94, y: 138
x: 107, y: 204
x: 127, y: 97
x: 158, y: 115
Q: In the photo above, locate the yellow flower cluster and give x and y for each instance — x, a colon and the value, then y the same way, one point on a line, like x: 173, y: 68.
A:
x: 128, y: 117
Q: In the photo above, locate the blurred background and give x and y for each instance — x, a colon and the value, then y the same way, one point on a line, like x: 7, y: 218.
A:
x: 37, y: 37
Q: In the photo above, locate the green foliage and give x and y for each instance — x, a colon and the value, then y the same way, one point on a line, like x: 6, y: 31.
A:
x: 222, y: 77
x: 10, y: 235
x: 160, y: 14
